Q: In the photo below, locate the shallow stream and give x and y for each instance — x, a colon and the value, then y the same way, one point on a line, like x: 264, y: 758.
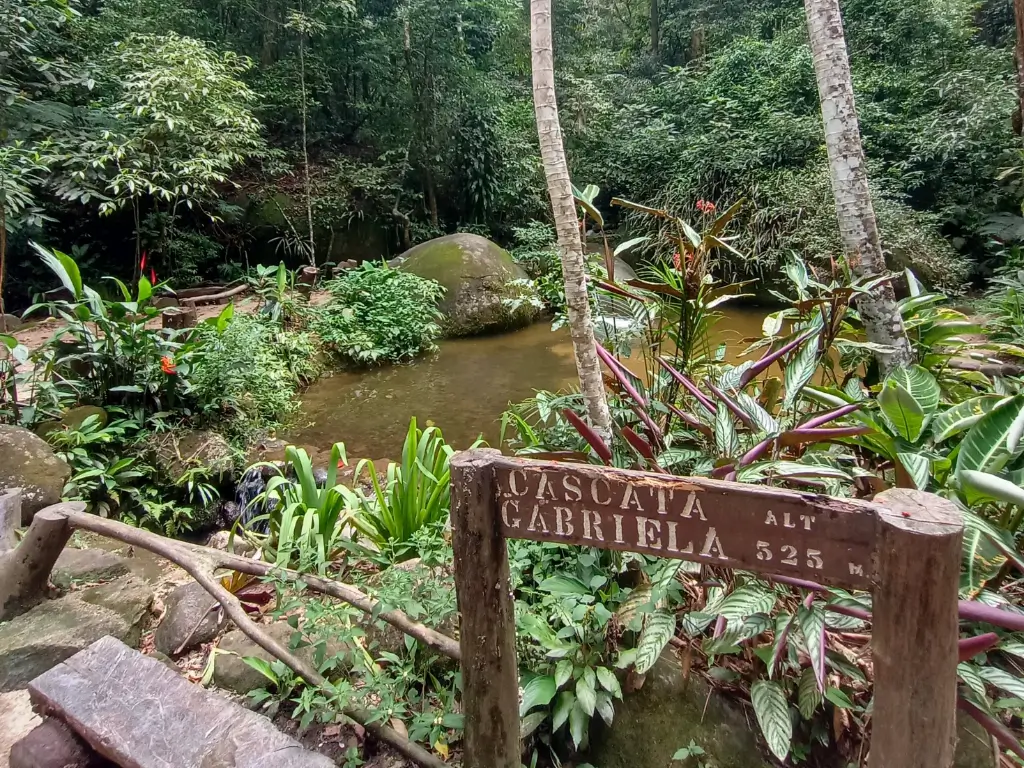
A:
x: 463, y: 388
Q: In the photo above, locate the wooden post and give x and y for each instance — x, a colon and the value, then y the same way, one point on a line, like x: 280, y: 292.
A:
x: 25, y: 570
x: 490, y: 676
x: 178, y: 318
x: 915, y: 630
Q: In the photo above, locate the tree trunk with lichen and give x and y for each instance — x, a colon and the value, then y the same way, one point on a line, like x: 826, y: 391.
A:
x: 858, y: 227
x: 570, y: 247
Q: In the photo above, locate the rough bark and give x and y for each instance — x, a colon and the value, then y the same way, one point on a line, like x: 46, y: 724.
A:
x: 490, y: 679
x: 655, y: 21
x: 25, y: 570
x: 915, y: 631
x: 10, y: 519
x: 570, y: 248
x: 858, y: 227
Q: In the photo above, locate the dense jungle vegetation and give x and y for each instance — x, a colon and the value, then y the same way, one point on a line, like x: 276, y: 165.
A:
x: 213, y: 135
x: 149, y: 146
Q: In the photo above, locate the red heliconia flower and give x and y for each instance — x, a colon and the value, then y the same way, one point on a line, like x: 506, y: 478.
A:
x: 167, y: 366
x: 152, y: 276
x: 142, y: 262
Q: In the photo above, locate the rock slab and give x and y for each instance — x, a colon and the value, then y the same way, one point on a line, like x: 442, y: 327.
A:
x: 28, y: 462
x: 51, y: 632
x: 54, y: 745
x: 192, y: 618
x: 75, y: 566
x: 138, y: 713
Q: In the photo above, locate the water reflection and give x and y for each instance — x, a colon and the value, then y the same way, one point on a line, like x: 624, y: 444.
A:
x: 463, y: 388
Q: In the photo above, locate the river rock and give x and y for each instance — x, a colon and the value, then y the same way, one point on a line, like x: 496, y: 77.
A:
x: 29, y: 463
x: 10, y: 323
x: 192, y: 618
x: 665, y: 715
x: 55, y: 630
x: 87, y: 565
x: 180, y: 450
x: 233, y: 674
x: 477, y: 276
x: 75, y: 417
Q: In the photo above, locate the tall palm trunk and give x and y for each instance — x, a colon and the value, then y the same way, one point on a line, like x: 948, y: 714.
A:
x: 569, y: 245
x: 857, y: 224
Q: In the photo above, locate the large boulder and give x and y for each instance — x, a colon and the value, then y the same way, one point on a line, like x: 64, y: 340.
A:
x: 29, y: 463
x: 86, y: 566
x: 479, y: 278
x: 55, y: 630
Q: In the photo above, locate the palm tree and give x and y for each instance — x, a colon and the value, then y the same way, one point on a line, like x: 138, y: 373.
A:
x: 569, y: 245
x: 857, y: 224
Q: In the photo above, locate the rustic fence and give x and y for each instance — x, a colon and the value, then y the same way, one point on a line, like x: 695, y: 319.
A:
x: 904, y: 546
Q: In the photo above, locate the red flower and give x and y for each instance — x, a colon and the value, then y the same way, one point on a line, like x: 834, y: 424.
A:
x: 341, y: 464
x: 167, y: 366
x: 705, y: 206
x: 152, y: 276
x: 676, y: 262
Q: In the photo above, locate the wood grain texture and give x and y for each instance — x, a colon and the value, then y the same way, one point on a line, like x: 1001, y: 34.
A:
x: 25, y: 570
x: 490, y: 678
x: 771, y: 530
x: 915, y: 631
x: 135, y: 711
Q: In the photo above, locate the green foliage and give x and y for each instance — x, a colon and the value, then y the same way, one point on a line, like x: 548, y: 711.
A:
x: 378, y: 314
x: 415, y: 493
x: 249, y: 372
x: 306, y: 522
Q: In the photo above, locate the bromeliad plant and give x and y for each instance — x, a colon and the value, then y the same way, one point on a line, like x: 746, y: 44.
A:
x: 415, y: 493
x: 306, y: 522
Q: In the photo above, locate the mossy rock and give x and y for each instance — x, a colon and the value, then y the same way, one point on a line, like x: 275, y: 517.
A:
x: 75, y: 417
x: 28, y: 462
x: 479, y: 278
x: 175, y: 452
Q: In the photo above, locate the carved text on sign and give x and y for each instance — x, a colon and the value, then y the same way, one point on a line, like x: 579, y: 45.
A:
x: 720, y: 523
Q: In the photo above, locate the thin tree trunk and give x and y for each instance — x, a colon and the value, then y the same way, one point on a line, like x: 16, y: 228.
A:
x: 655, y: 27
x: 305, y: 149
x: 570, y: 247
x: 1018, y: 17
x: 857, y: 224
x: 3, y: 262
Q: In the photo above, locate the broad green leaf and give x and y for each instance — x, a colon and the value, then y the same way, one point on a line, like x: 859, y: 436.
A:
x: 609, y: 681
x: 591, y: 211
x: 659, y: 628
x: 563, y: 705
x: 625, y: 246
x: 984, y: 446
x: 586, y: 694
x: 980, y: 486
x: 578, y: 722
x: 561, y: 585
x: 970, y: 674
x: 921, y: 385
x: 764, y: 420
x: 64, y: 267
x: 145, y: 290
x: 800, y: 370
x: 918, y: 467
x: 746, y: 601
x: 772, y: 712
x: 727, y: 441
x: 963, y: 415
x: 809, y: 697
x: 1003, y: 680
x: 901, y: 411
x: 563, y: 671
x: 531, y: 723
x: 634, y: 605
x: 838, y: 698
x: 605, y: 707
x: 537, y: 692
x: 772, y: 324
x: 812, y: 627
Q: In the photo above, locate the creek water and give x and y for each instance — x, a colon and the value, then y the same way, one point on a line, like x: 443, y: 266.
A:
x: 463, y: 388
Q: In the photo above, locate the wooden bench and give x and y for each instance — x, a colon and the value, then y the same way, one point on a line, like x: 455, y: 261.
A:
x: 137, y: 712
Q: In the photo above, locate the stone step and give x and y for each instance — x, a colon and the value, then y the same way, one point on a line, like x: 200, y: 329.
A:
x: 138, y: 713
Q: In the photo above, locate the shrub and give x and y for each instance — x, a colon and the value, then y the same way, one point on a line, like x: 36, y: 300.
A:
x: 379, y: 314
x: 250, y: 371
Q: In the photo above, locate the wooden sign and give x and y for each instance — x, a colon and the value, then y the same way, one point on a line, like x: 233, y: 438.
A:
x: 710, y: 521
x: 905, y: 546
